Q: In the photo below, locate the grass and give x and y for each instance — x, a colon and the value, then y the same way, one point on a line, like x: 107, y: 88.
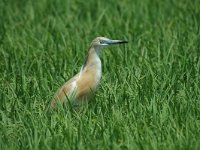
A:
x: 149, y: 96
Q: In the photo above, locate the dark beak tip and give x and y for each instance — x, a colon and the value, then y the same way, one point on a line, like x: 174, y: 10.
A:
x: 124, y: 41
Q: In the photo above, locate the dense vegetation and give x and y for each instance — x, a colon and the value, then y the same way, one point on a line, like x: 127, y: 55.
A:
x: 149, y: 96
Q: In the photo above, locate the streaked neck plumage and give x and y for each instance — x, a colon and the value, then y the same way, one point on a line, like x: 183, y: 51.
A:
x: 92, y: 60
x: 92, y: 66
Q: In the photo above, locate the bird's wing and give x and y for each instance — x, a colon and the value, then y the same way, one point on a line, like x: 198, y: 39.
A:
x: 66, y: 89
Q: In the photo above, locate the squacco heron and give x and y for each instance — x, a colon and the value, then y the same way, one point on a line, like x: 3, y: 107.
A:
x: 80, y: 87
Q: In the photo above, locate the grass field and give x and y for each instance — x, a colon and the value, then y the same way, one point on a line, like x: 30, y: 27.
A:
x: 149, y: 96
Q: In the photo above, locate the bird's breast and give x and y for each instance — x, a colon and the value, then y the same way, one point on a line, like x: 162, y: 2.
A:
x: 91, y: 77
x: 98, y: 72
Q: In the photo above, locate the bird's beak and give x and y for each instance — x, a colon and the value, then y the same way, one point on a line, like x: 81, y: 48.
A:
x: 109, y: 42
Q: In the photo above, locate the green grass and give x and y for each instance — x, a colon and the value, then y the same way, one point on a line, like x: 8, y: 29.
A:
x: 149, y: 96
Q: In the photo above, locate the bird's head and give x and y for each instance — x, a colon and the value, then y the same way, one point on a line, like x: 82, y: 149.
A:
x: 103, y: 41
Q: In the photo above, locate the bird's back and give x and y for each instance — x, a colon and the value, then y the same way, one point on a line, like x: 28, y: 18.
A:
x: 64, y: 90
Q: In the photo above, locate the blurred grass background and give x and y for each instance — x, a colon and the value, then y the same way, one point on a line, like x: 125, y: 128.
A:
x: 149, y: 96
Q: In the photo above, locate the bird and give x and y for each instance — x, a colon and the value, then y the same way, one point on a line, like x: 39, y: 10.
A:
x: 78, y: 89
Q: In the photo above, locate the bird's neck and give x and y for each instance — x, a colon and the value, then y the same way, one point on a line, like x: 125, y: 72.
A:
x: 92, y: 60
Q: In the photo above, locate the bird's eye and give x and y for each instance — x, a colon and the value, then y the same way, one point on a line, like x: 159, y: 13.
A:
x: 101, y: 41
